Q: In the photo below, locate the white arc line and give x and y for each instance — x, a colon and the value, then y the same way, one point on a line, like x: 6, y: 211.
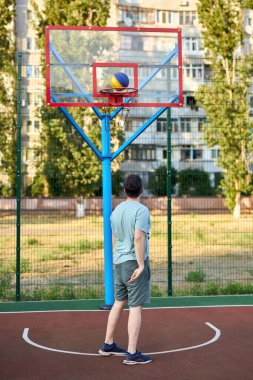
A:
x: 28, y: 340
x: 214, y: 339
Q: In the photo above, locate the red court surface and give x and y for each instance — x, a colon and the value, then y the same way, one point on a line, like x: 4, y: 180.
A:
x: 220, y: 350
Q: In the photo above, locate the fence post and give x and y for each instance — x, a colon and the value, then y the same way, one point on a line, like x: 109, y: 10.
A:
x: 169, y: 194
x: 18, y: 180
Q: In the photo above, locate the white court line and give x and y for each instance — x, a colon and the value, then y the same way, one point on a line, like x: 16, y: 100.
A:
x: 102, y: 311
x: 214, y: 339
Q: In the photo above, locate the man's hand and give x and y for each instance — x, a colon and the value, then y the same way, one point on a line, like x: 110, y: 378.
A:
x: 136, y: 274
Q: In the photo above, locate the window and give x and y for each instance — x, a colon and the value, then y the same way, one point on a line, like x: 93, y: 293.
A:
x: 185, y: 152
x: 197, y: 154
x: 164, y: 154
x: 185, y: 125
x: 201, y: 124
x: 214, y: 153
x: 187, y: 17
x: 29, y: 43
x: 193, y: 71
x: 131, y: 15
x: 172, y: 17
x: 29, y: 98
x: 28, y: 126
x: 197, y: 71
x: 131, y: 43
x: 128, y: 125
x: 137, y: 43
x: 26, y: 155
x: 161, y: 125
x: 207, y: 71
x: 189, y: 152
x: 174, y: 125
x: 126, y: 42
x: 166, y: 17
x: 174, y: 73
x: 29, y: 71
x: 36, y: 71
x: 190, y: 101
x: 161, y: 17
x: 37, y: 98
x: 140, y: 153
x: 29, y: 15
x: 192, y: 44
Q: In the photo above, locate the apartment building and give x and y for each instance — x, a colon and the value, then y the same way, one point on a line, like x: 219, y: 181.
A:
x: 149, y: 151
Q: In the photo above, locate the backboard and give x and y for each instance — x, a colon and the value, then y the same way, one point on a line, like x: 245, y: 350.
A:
x: 81, y: 60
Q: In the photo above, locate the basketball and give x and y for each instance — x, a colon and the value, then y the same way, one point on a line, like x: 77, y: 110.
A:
x: 119, y: 80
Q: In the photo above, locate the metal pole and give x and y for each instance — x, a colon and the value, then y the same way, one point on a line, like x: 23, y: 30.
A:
x: 107, y: 210
x: 18, y: 180
x: 169, y: 192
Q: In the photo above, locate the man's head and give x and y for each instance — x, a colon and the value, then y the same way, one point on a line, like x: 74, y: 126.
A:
x: 133, y: 186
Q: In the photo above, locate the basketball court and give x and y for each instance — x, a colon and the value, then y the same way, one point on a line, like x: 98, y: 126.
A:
x: 189, y: 339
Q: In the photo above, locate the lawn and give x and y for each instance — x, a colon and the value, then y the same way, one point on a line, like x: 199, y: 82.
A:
x: 63, y: 250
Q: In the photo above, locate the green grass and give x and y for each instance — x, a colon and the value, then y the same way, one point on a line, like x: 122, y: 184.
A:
x: 67, y: 249
x: 195, y: 276
x: 82, y: 246
x: 33, y: 241
x: 213, y: 289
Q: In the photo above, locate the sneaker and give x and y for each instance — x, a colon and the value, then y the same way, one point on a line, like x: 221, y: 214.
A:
x: 111, y: 349
x: 136, y: 358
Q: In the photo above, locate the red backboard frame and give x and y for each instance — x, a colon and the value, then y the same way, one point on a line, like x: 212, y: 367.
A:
x: 51, y: 103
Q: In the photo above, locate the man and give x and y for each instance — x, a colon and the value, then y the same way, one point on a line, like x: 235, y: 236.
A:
x: 130, y: 226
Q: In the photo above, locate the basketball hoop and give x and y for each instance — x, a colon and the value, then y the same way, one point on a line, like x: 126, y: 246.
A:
x: 115, y: 95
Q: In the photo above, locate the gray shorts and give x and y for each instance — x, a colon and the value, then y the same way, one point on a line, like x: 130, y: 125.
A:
x: 137, y: 292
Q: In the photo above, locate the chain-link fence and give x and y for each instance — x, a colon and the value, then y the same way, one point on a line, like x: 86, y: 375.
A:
x: 197, y: 247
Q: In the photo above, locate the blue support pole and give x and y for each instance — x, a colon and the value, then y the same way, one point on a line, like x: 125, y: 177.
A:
x: 107, y: 210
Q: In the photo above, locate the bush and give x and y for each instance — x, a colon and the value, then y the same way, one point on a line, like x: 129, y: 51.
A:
x: 194, y: 182
x: 195, y: 276
x: 5, y: 190
x: 156, y: 291
x: 57, y: 292
x: 117, y: 182
x: 158, y: 181
x: 5, y: 284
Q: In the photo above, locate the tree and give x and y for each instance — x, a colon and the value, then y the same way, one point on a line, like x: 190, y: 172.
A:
x: 225, y: 100
x: 67, y: 164
x: 158, y: 181
x: 194, y: 182
x: 8, y: 124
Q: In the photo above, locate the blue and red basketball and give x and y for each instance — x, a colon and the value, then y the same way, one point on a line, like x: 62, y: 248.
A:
x: 119, y: 80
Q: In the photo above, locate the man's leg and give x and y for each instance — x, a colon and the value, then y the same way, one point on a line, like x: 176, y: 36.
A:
x: 134, y: 326
x: 113, y: 320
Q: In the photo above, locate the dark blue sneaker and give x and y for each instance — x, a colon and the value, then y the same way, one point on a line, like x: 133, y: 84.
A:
x: 111, y: 349
x: 136, y: 358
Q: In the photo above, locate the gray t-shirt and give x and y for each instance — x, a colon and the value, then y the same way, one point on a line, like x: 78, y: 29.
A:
x: 126, y: 217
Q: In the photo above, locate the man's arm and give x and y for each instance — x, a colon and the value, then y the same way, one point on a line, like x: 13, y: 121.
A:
x: 139, y: 247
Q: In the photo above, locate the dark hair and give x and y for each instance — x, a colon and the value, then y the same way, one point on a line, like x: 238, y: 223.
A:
x: 133, y: 186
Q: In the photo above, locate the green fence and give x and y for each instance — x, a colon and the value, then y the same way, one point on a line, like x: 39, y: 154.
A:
x: 196, y: 247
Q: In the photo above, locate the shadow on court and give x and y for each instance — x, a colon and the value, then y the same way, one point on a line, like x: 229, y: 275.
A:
x: 56, y: 345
